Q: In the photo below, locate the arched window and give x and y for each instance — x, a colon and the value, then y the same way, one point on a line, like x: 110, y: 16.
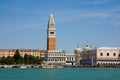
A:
x: 119, y: 55
x: 101, y: 54
x: 107, y: 54
x: 114, y: 54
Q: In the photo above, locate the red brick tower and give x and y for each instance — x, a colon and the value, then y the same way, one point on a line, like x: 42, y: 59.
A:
x: 51, y: 34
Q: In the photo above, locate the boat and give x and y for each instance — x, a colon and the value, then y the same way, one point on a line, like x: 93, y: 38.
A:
x: 23, y: 66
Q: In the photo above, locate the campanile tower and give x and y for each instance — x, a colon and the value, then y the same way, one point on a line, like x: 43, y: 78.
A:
x: 51, y: 33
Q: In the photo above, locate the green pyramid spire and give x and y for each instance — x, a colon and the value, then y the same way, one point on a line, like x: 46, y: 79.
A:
x: 51, y: 19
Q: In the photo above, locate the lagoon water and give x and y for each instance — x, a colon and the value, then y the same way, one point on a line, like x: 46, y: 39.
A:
x: 60, y: 74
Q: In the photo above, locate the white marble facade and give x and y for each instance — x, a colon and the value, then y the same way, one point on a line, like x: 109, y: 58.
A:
x: 103, y: 56
x: 55, y: 57
x: 108, y: 56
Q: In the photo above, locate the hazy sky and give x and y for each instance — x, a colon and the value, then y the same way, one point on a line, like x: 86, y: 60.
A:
x: 23, y: 23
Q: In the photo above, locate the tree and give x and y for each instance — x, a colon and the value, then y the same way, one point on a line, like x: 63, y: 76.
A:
x: 17, y: 58
x: 29, y: 59
x: 26, y: 58
x: 2, y: 60
x: 41, y: 60
x: 9, y: 60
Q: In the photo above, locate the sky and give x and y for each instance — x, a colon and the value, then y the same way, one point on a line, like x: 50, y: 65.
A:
x: 23, y: 23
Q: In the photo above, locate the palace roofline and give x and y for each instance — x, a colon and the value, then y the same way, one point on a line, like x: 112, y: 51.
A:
x: 108, y: 48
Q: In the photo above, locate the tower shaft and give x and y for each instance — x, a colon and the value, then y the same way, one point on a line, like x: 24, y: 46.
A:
x: 51, y: 34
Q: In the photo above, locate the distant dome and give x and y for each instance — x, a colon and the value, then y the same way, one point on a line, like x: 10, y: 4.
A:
x: 87, y: 47
x: 77, y: 50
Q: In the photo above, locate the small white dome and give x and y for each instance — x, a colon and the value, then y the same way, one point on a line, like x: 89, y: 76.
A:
x: 78, y: 49
x: 87, y: 47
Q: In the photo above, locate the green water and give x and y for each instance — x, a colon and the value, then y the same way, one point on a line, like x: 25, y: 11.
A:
x: 60, y: 74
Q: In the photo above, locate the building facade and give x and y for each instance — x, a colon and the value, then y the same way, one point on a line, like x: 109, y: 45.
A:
x: 108, y: 56
x: 55, y: 58
x: 33, y: 52
x: 103, y: 56
x: 78, y: 56
x: 89, y: 57
x: 70, y: 59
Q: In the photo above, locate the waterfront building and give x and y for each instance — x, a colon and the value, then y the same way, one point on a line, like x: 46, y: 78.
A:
x: 108, y: 56
x: 78, y: 56
x: 55, y: 58
x: 70, y: 59
x: 103, y: 56
x: 33, y: 52
x: 88, y: 56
